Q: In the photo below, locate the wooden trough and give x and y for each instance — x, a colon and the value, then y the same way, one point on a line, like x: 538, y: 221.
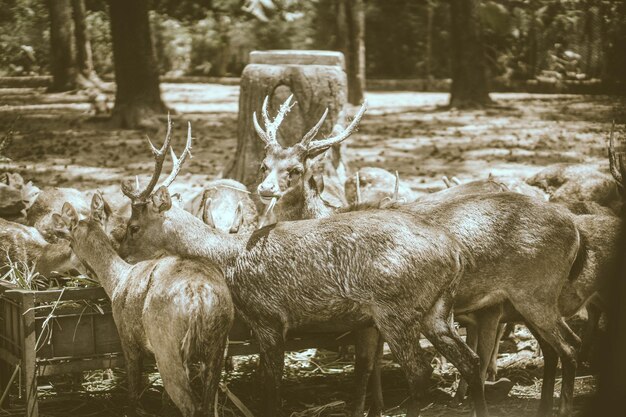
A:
x: 38, y: 339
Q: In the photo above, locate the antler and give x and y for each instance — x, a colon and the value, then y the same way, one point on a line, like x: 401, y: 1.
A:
x: 271, y: 126
x: 177, y: 163
x: 328, y: 142
x: 615, y: 160
x: 137, y: 195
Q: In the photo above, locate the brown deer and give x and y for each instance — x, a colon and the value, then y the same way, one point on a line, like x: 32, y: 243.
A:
x: 179, y: 310
x: 342, y: 271
x: 503, y: 234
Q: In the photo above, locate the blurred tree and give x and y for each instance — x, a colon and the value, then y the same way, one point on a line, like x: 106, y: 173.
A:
x: 350, y: 27
x: 138, y: 95
x: 84, y: 59
x: 469, y: 69
x: 62, y: 48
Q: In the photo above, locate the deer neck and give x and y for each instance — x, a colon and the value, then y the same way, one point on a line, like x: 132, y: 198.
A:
x: 188, y: 236
x: 291, y: 205
x: 100, y: 257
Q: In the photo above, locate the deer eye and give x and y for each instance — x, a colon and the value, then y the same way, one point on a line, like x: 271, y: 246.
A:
x: 264, y: 168
x: 133, y: 228
x: 295, y: 171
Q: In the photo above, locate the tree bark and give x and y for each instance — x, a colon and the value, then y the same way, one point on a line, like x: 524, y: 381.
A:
x: 62, y: 51
x: 138, y: 95
x: 469, y: 69
x: 351, y: 41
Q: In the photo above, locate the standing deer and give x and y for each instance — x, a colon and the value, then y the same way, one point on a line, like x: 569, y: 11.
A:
x: 520, y: 249
x: 289, y: 175
x: 346, y: 270
x: 179, y: 310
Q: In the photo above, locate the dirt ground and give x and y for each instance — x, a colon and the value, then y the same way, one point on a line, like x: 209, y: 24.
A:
x: 58, y: 142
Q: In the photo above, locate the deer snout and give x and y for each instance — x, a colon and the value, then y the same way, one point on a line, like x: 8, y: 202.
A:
x: 268, y: 190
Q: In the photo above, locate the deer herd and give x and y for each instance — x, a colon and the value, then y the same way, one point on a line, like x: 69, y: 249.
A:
x: 366, y: 255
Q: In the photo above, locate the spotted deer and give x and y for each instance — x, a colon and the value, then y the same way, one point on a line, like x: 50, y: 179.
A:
x: 179, y: 310
x: 345, y: 271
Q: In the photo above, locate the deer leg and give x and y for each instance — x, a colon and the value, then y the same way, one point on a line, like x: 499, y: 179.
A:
x: 488, y: 324
x: 593, y: 317
x: 376, y: 387
x: 552, y: 329
x: 272, y: 358
x: 365, y: 360
x: 402, y: 332
x: 134, y: 366
x: 175, y: 379
x: 492, y: 368
x: 472, y: 340
x: 442, y: 335
x: 550, y: 362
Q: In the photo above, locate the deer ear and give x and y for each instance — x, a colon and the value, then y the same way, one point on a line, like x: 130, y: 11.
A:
x: 238, y: 220
x: 316, y: 182
x: 70, y: 215
x: 61, y: 229
x: 99, y: 208
x: 162, y: 200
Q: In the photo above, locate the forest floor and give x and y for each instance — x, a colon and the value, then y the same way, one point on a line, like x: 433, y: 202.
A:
x: 58, y: 142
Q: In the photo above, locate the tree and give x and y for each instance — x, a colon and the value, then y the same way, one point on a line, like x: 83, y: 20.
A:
x: 62, y: 50
x: 84, y: 61
x: 351, y: 41
x: 138, y: 95
x: 469, y: 68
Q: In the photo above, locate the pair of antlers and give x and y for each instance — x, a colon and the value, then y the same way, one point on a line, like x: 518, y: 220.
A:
x: 139, y: 196
x: 268, y: 135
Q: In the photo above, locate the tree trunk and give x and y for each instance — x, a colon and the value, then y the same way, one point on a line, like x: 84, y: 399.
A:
x: 469, y: 69
x: 355, y: 14
x: 351, y: 41
x: 62, y: 52
x: 84, y: 60
x: 138, y: 96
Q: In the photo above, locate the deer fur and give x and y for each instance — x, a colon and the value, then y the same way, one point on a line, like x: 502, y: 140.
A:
x: 336, y: 270
x: 179, y: 310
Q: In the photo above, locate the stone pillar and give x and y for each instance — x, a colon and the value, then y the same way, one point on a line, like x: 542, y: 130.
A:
x: 315, y: 78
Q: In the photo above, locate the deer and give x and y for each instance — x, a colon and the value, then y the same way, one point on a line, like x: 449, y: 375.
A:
x: 24, y: 244
x: 225, y: 204
x: 335, y: 271
x: 502, y: 232
x: 179, y: 310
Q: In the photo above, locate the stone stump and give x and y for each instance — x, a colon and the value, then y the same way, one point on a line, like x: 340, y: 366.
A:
x: 315, y: 78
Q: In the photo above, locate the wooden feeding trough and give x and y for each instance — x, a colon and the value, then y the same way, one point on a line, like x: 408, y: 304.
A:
x: 61, y: 331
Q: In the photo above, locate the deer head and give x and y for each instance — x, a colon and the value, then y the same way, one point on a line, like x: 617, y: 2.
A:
x: 141, y: 197
x: 148, y: 205
x: 283, y: 168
